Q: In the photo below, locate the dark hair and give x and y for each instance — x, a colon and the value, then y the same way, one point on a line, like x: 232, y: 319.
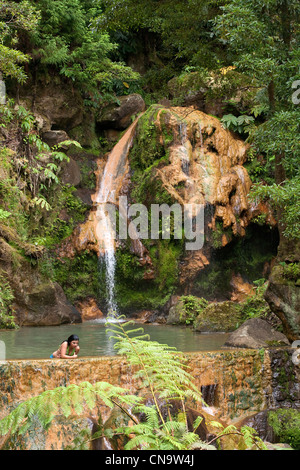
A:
x: 73, y: 338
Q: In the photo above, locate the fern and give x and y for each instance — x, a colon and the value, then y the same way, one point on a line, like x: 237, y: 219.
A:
x: 162, y: 370
x: 65, y: 401
x: 248, y: 437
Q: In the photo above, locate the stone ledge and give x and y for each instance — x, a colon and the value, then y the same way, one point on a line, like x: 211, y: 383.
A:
x: 244, y: 380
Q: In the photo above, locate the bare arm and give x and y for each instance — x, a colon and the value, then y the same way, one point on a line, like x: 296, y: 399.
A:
x: 63, y: 351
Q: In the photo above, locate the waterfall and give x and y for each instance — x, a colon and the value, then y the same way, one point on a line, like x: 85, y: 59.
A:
x: 106, y: 201
x: 185, y: 161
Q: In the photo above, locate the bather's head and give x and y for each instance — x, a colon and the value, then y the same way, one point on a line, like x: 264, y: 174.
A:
x: 73, y: 340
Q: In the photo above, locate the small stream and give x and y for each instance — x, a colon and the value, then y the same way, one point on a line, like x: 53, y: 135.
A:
x: 40, y: 342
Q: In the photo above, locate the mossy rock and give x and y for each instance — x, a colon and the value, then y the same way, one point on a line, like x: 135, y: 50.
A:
x: 283, y: 297
x: 186, y: 310
x: 218, y: 316
x: 286, y: 426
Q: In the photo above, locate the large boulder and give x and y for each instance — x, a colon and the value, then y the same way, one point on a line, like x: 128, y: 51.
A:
x: 119, y: 116
x: 218, y: 316
x: 200, y: 163
x: 254, y: 334
x: 57, y: 105
x: 71, y: 173
x: 44, y: 304
x: 38, y: 301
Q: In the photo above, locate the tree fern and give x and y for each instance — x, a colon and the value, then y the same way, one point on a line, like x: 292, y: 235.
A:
x: 65, y: 401
x: 161, y: 370
x: 247, y: 437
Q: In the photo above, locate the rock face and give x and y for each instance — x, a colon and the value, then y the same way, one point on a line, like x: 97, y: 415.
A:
x: 188, y: 158
x: 283, y: 292
x: 119, y: 116
x: 37, y: 300
x: 256, y: 333
x: 57, y: 105
x: 204, y: 164
x: 89, y: 310
x: 284, y: 300
x: 42, y: 304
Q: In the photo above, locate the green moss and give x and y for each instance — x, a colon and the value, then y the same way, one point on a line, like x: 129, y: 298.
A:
x: 219, y: 316
x: 286, y: 426
x: 79, y: 277
x: 255, y: 306
x: 11, y: 196
x: 132, y: 291
x: 146, y: 187
x: 88, y: 176
x: 147, y: 147
x: 6, y: 299
x: 165, y: 256
x: 291, y: 272
x: 190, y: 308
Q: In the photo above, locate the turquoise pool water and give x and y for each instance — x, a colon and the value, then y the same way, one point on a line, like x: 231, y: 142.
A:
x: 40, y: 342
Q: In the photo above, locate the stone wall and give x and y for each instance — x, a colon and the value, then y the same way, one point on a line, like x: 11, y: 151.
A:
x: 237, y: 382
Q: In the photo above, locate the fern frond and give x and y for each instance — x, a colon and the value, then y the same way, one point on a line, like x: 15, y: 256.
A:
x: 65, y: 401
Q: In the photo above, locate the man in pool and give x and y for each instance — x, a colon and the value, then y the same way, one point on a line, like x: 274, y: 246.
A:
x: 69, y: 349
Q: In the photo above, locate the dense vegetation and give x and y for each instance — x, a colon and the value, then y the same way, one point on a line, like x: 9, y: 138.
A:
x: 108, y: 48
x: 159, y: 419
x: 246, y: 56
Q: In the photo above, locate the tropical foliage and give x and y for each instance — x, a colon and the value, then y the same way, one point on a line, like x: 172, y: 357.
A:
x: 163, y: 376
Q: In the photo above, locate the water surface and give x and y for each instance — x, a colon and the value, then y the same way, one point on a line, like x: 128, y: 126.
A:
x: 40, y: 342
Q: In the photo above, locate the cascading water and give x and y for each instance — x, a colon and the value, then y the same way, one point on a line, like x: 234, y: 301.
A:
x: 105, y: 202
x: 185, y: 161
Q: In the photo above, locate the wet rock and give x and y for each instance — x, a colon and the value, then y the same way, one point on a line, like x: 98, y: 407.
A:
x: 120, y: 116
x: 71, y: 173
x: 89, y: 309
x: 259, y: 422
x: 175, y: 313
x: 256, y: 333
